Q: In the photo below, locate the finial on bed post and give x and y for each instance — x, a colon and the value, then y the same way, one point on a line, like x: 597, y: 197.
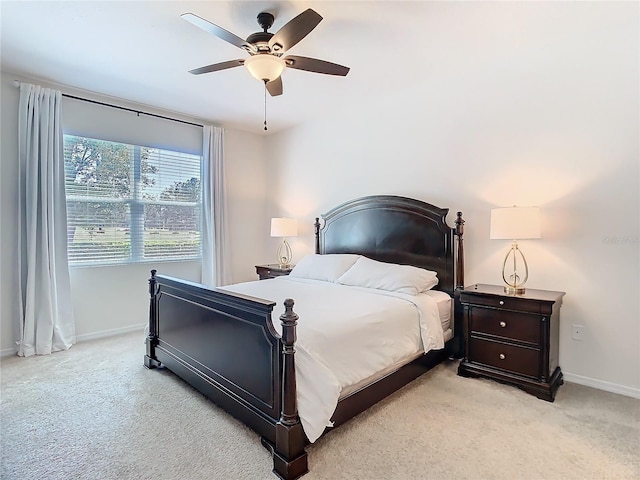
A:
x: 460, y: 262
x: 289, y: 456
x: 317, y: 230
x: 152, y: 337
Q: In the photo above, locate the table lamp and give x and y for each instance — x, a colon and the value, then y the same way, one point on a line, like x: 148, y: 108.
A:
x: 284, y: 227
x: 515, y: 223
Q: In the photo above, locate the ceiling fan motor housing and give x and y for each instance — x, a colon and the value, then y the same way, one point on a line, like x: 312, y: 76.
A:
x: 260, y: 38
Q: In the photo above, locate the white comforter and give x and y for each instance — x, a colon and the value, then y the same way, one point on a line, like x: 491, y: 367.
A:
x: 344, y: 335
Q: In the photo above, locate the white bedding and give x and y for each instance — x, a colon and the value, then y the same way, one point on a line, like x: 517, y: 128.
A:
x: 445, y: 311
x: 344, y: 335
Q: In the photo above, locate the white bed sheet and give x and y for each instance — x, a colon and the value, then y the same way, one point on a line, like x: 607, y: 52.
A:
x: 445, y: 307
x: 345, y: 335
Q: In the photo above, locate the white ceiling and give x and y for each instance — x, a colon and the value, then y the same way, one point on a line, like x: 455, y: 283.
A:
x: 142, y: 51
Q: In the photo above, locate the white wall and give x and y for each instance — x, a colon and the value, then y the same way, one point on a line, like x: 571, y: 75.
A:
x: 113, y: 299
x: 248, y: 205
x: 532, y: 104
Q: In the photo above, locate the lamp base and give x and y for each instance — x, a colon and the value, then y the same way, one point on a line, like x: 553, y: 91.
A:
x: 514, y: 284
x: 514, y: 290
x: 284, y: 254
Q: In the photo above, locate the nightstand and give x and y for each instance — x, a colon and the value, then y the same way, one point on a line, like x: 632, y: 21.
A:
x: 512, y: 338
x: 272, y: 271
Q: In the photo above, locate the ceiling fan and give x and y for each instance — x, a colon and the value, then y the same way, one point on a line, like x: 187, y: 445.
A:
x: 266, y: 61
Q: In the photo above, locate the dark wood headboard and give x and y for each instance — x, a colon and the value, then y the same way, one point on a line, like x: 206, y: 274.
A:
x: 398, y: 230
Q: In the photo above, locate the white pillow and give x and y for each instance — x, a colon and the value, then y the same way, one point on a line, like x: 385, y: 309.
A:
x: 327, y: 268
x: 389, y: 276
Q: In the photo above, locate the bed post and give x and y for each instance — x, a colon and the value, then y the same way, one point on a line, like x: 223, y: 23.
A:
x: 289, y: 455
x: 460, y: 263
x: 458, y: 330
x: 152, y: 338
x: 316, y: 226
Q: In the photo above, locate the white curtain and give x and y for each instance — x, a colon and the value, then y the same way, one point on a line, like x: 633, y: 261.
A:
x: 46, y: 314
x: 215, y: 231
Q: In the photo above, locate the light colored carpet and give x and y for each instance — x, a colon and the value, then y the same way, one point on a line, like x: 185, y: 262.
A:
x: 94, y: 412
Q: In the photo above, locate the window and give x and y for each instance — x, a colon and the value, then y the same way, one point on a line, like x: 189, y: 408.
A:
x: 129, y: 203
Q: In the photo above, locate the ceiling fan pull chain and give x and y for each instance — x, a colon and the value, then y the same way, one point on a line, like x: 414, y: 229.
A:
x: 265, y: 105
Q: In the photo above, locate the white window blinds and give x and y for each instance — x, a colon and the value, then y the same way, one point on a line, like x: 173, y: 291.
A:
x: 131, y: 203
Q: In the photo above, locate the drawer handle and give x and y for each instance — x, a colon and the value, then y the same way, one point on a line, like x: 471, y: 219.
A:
x: 503, y: 324
x: 502, y: 356
x: 501, y: 302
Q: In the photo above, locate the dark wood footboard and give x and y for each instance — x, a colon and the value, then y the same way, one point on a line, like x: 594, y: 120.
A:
x: 224, y: 344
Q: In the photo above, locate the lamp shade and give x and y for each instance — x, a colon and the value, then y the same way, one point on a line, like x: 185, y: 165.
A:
x: 264, y: 66
x: 284, y: 227
x: 515, y: 223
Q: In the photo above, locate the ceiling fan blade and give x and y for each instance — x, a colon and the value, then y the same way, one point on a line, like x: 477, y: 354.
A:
x: 294, y: 31
x: 315, y: 65
x: 219, y: 32
x: 274, y: 87
x: 217, y: 66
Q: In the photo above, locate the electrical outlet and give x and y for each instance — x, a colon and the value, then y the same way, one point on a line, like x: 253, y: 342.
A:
x: 577, y: 332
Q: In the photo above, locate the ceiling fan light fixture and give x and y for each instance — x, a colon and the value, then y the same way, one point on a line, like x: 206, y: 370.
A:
x: 265, y: 67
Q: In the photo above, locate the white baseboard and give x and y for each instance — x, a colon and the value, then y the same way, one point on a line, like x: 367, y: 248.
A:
x: 7, y: 352
x: 89, y: 336
x: 602, y: 385
x: 111, y: 333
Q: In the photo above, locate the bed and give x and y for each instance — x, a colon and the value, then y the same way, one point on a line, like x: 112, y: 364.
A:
x: 224, y: 343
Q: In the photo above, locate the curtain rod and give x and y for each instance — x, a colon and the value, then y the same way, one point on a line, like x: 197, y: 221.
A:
x: 16, y: 83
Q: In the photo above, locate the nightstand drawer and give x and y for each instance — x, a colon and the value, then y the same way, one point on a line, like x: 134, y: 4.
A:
x: 524, y: 327
x: 506, y: 302
x: 267, y: 272
x: 520, y: 360
x: 272, y: 271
